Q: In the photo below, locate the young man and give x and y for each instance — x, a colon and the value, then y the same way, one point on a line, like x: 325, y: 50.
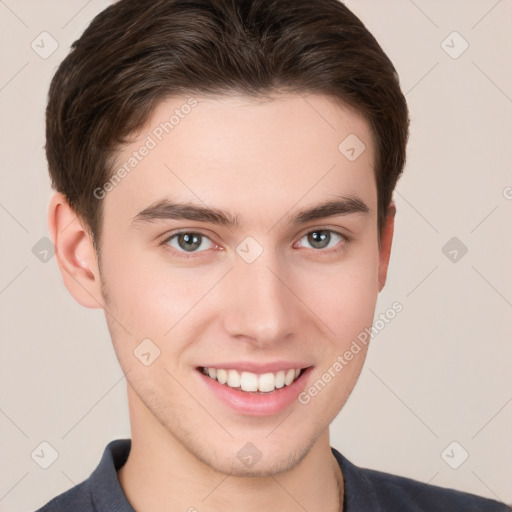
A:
x: 224, y: 173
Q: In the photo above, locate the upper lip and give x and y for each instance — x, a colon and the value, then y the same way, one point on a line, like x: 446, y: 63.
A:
x: 258, y: 368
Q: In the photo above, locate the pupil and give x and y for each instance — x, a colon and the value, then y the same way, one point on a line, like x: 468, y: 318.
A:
x: 318, y: 238
x: 192, y: 239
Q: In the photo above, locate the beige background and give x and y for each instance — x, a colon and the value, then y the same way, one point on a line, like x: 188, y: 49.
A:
x: 438, y: 373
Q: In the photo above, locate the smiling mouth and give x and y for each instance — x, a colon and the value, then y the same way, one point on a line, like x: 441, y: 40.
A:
x: 252, y: 382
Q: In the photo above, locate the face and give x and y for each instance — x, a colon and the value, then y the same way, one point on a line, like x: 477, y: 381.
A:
x: 259, y: 286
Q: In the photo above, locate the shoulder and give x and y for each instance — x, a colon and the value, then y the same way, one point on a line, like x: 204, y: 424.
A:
x: 76, y: 498
x: 385, y: 492
x: 101, y: 491
x: 418, y: 496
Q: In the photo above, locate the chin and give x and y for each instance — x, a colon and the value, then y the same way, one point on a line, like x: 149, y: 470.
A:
x: 257, y: 458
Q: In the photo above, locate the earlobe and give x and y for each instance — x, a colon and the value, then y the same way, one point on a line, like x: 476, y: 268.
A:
x: 75, y: 253
x: 385, y: 244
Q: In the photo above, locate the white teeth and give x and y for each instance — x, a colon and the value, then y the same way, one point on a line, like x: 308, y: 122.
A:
x: 289, y: 377
x: 266, y: 383
x: 251, y: 382
x: 222, y: 376
x: 280, y: 379
x: 233, y: 379
x: 248, y: 381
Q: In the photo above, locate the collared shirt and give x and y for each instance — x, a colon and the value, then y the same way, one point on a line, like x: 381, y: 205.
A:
x: 366, y: 490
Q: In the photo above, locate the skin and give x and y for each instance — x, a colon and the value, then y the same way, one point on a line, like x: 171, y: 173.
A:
x: 262, y: 161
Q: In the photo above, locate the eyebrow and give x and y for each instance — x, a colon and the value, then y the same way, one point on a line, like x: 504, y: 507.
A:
x: 166, y: 209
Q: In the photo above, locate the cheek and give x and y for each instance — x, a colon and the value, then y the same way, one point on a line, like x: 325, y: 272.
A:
x: 347, y: 306
x: 345, y: 296
x: 148, y: 296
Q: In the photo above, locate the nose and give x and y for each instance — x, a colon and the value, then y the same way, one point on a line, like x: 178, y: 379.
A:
x: 261, y: 306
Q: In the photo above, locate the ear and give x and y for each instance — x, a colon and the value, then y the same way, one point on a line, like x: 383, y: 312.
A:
x: 385, y: 244
x: 75, y: 253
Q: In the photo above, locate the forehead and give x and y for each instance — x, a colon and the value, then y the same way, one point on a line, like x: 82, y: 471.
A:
x: 237, y: 152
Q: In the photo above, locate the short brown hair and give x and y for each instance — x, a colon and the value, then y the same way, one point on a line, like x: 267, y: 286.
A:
x: 137, y: 53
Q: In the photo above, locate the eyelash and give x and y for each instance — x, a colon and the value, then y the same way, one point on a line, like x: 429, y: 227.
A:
x: 181, y: 254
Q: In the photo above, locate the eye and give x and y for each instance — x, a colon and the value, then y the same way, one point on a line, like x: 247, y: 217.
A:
x: 324, y: 239
x: 192, y: 242
x: 188, y: 241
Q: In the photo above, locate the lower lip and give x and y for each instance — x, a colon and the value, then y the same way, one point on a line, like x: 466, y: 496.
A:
x: 256, y: 404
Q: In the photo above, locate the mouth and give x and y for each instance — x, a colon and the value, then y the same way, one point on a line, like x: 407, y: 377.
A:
x: 267, y: 390
x: 254, y: 383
